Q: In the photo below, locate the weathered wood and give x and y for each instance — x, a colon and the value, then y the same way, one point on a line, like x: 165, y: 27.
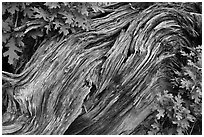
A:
x: 103, y: 81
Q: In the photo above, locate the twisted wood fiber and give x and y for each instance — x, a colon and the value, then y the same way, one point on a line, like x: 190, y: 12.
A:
x: 103, y: 81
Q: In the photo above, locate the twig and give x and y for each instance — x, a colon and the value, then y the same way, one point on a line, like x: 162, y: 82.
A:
x: 16, y: 23
x: 192, y: 127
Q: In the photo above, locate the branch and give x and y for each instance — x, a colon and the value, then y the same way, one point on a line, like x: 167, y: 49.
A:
x: 9, y: 77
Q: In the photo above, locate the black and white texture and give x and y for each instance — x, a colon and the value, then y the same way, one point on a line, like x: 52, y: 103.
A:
x: 103, y: 81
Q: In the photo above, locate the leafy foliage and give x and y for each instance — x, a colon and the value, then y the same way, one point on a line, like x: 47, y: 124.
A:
x: 11, y: 52
x: 178, y: 113
x: 37, y: 19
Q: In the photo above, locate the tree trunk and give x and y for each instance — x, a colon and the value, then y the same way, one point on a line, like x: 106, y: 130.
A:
x: 103, y: 81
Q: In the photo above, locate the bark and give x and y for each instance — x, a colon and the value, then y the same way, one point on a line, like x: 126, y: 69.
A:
x: 103, y: 81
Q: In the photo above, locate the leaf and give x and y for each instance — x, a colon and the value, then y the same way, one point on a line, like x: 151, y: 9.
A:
x: 11, y: 52
x: 187, y: 84
x: 177, y: 72
x: 48, y: 27
x: 84, y: 9
x: 5, y: 37
x: 152, y: 132
x: 52, y: 5
x: 20, y: 42
x: 197, y: 65
x: 24, y: 20
x: 169, y: 131
x: 28, y: 3
x: 167, y: 94
x: 58, y: 24
x: 82, y: 22
x: 184, y: 123
x: 179, y: 131
x: 67, y: 4
x: 14, y: 7
x: 69, y: 19
x: 183, y: 53
x: 155, y: 126
x: 4, y: 7
x: 179, y: 100
x: 7, y: 25
x: 178, y: 116
x: 166, y: 97
x: 53, y: 16
x: 160, y: 114
x: 190, y: 117
x: 23, y: 6
x: 67, y: 16
x: 41, y: 13
x: 199, y: 62
x: 197, y: 109
x: 96, y: 8
x: 64, y: 29
x: 188, y: 72
x: 192, y: 53
x: 196, y: 95
x: 29, y: 12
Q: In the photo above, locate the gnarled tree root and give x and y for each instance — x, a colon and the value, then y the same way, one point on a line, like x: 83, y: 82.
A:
x: 103, y: 81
